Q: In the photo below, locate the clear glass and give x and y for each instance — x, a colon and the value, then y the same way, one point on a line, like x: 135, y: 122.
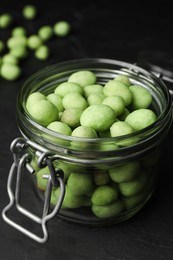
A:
x: 128, y: 172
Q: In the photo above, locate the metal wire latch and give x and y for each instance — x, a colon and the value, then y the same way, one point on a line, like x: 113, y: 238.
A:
x: 55, y: 178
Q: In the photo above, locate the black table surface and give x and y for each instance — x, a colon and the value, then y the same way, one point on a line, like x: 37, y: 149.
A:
x: 100, y: 29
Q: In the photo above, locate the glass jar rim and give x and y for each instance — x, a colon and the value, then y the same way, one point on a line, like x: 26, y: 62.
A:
x: 133, y: 69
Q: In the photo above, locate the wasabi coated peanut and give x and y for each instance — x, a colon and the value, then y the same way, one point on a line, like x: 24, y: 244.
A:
x: 85, y: 132
x: 54, y: 196
x: 68, y: 87
x: 19, y: 52
x: 80, y: 184
x: 108, y: 211
x: 34, y: 41
x: 134, y: 201
x: 101, y: 178
x: 43, y: 112
x: 70, y: 201
x: 18, y: 31
x: 42, y: 52
x: 99, y: 117
x: 71, y: 117
x: 15, y: 41
x: 104, y: 195
x: 33, y: 98
x: 94, y: 99
x: 5, y: 20
x: 60, y: 128
x: 124, y: 79
x: 74, y: 100
x: 56, y: 100
x: 141, y: 118
x: 93, y: 89
x: 61, y: 28
x: 121, y: 128
x: 116, y: 103
x: 29, y: 12
x: 18, y: 46
x: 125, y: 172
x: 141, y: 97
x: 10, y: 71
x: 118, y: 88
x: 108, y: 146
x: 133, y: 187
x: 83, y: 78
x: 45, y: 32
x: 8, y: 58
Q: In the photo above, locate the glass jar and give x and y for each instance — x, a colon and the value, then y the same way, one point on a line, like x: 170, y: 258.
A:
x: 68, y: 170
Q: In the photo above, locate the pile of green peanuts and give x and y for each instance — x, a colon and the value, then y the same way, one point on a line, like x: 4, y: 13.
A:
x: 80, y: 107
x: 18, y: 46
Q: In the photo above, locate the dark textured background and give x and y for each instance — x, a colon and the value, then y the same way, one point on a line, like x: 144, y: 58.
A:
x: 103, y: 29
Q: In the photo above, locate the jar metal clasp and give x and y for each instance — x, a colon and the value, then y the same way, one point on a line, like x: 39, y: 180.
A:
x: 22, y: 161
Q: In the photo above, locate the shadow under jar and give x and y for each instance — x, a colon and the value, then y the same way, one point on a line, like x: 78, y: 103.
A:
x: 94, y: 181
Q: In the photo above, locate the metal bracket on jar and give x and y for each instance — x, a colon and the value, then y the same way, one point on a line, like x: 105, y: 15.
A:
x: 55, y: 178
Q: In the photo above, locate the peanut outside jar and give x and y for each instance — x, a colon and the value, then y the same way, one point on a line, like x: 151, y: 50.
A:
x: 72, y: 169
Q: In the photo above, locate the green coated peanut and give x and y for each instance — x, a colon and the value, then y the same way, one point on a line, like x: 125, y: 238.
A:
x: 60, y: 127
x: 10, y: 71
x: 101, y: 178
x: 43, y: 112
x: 80, y: 184
x: 33, y: 98
x: 99, y: 117
x: 74, y: 100
x: 134, y: 201
x: 117, y: 103
x: 95, y: 99
x: 83, y: 78
x: 45, y: 32
x: 34, y: 41
x: 141, y: 97
x: 133, y: 187
x: 104, y: 195
x: 141, y: 118
x: 5, y: 20
x: 61, y: 28
x: 29, y: 12
x: 125, y: 172
x: 42, y: 52
x: 71, y: 201
x: 56, y: 100
x: 108, y: 211
x: 124, y: 79
x: 92, y: 89
x: 118, y: 88
x: 68, y: 87
x: 71, y: 117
